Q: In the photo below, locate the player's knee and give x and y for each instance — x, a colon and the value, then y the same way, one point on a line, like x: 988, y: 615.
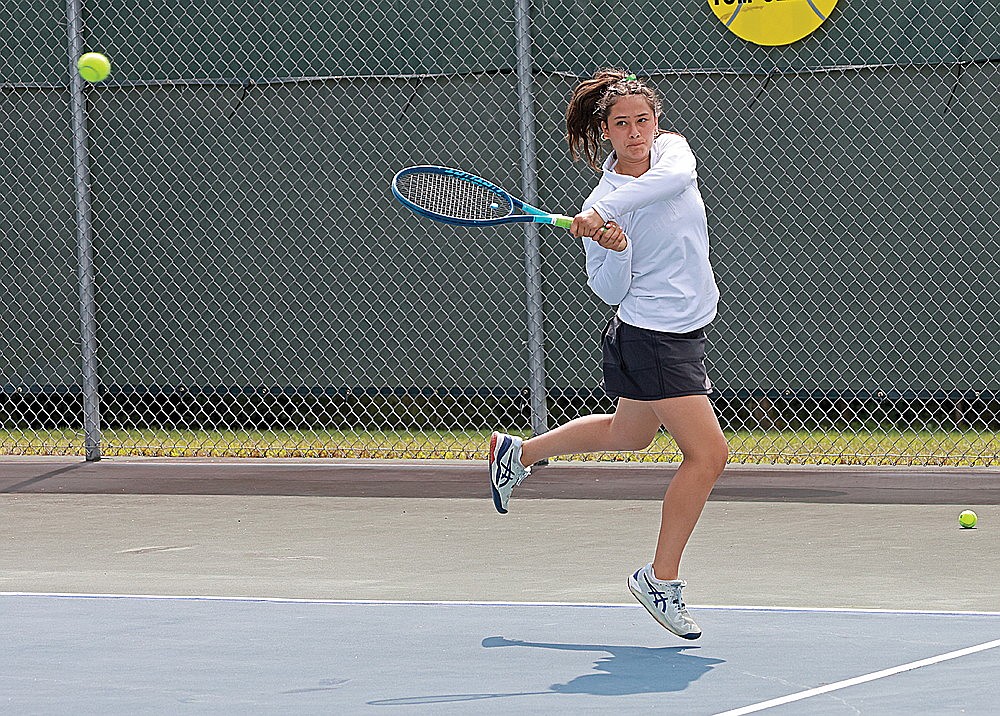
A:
x: 617, y: 438
x: 711, y: 458
x: 634, y: 440
x: 640, y: 441
x: 722, y: 457
x: 719, y: 457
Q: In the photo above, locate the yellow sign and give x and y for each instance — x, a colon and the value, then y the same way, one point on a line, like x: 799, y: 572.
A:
x: 772, y: 22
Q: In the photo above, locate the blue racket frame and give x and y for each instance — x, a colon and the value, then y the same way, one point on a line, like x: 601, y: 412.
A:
x: 531, y: 214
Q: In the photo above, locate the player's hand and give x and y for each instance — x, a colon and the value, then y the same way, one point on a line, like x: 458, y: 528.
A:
x: 586, y: 223
x: 611, y: 236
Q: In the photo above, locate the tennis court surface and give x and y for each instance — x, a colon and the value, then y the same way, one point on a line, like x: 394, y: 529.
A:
x: 172, y: 586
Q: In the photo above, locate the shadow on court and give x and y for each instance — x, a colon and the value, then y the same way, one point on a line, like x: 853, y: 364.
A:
x: 627, y: 670
x: 126, y: 655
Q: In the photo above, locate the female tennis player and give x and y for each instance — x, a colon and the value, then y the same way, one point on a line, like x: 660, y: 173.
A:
x: 645, y: 234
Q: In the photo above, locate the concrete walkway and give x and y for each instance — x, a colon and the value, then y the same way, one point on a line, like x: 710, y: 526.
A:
x: 152, y: 529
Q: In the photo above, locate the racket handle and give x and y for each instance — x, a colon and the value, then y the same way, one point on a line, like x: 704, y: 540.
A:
x: 562, y: 221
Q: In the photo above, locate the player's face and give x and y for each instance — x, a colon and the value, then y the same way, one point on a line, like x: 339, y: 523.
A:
x: 631, y: 128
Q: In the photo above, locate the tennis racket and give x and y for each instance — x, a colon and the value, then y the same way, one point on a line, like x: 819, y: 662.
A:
x: 452, y: 196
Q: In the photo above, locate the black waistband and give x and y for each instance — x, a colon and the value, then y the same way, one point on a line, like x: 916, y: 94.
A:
x: 696, y: 333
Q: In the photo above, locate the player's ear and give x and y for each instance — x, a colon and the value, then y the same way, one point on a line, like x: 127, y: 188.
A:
x: 604, y: 129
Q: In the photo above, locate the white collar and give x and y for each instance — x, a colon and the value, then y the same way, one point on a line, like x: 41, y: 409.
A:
x: 654, y: 156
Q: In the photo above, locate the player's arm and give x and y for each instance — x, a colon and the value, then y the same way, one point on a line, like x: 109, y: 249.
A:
x: 609, y: 265
x: 674, y: 171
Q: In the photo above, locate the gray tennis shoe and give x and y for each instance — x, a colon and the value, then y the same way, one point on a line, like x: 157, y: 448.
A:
x: 506, y: 471
x: 663, y: 600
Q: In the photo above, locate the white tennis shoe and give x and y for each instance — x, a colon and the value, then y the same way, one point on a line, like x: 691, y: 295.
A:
x: 506, y: 471
x: 663, y: 600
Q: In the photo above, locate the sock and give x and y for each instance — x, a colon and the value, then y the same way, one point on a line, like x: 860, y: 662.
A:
x: 657, y: 580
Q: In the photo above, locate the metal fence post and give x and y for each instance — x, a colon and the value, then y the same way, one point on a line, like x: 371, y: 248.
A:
x: 85, y: 249
x: 532, y: 249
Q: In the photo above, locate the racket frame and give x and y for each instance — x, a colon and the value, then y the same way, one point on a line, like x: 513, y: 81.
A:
x: 531, y: 214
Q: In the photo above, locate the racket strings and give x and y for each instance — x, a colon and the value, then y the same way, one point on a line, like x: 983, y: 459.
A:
x: 453, y: 196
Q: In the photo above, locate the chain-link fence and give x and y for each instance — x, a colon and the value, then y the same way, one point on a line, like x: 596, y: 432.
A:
x: 201, y: 254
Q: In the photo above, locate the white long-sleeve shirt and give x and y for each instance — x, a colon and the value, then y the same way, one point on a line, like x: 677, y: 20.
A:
x: 663, y: 279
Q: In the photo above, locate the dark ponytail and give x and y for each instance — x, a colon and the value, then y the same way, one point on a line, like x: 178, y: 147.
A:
x: 588, y: 109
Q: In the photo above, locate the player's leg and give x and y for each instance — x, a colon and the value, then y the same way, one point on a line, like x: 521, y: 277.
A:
x: 693, y: 424
x: 632, y: 427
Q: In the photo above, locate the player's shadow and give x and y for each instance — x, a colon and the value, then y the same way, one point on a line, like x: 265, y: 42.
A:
x: 626, y: 670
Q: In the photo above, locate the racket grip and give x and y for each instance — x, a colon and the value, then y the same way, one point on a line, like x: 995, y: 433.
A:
x: 563, y: 221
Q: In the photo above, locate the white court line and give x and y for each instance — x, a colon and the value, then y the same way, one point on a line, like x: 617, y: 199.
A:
x: 859, y: 680
x: 481, y: 603
x: 293, y: 600
x: 846, y: 610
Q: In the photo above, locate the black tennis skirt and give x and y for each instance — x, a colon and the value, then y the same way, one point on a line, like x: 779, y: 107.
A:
x: 642, y: 364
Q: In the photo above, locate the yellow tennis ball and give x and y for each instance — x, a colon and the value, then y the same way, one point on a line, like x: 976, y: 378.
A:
x: 968, y: 519
x: 94, y: 67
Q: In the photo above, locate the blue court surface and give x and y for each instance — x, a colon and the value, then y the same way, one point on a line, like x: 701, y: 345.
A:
x: 142, y: 654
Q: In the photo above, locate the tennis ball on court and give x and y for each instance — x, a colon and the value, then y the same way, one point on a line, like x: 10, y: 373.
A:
x: 968, y: 519
x: 94, y: 66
